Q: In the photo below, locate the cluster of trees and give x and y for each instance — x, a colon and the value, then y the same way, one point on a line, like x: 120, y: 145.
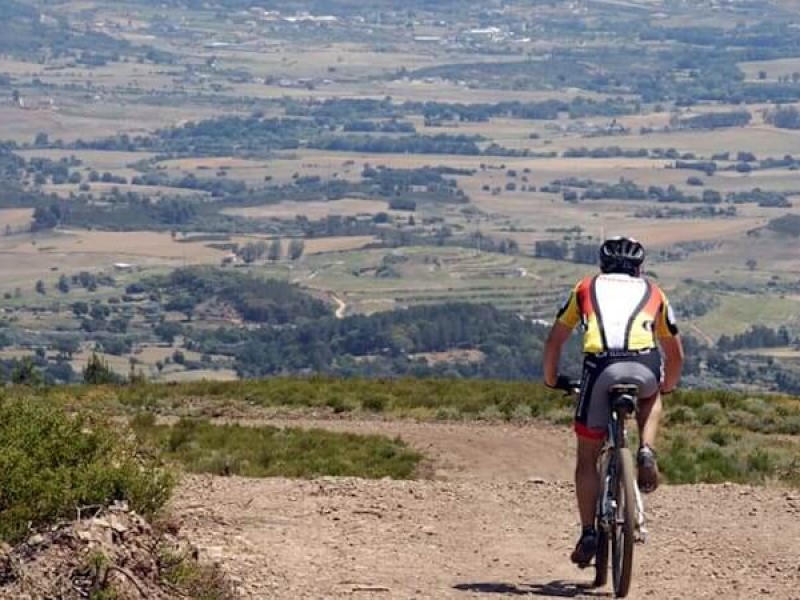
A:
x: 425, y: 183
x: 607, y: 152
x: 225, y: 136
x: 758, y: 336
x: 347, y: 110
x: 253, y: 251
x: 390, y: 126
x: 625, y: 189
x: 215, y: 137
x: 785, y: 117
x: 436, y: 112
x: 715, y: 120
x: 219, y: 186
x: 696, y: 212
x: 385, y: 344
x: 259, y: 300
x: 414, y: 144
x: 787, y: 224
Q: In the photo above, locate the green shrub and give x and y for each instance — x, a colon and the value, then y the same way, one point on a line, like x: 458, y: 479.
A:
x: 52, y: 463
x: 710, y: 414
x: 723, y: 437
x: 203, y: 582
x: 272, y: 452
x: 680, y: 415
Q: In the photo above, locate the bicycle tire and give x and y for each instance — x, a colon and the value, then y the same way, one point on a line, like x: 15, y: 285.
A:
x: 601, y: 559
x: 624, y: 530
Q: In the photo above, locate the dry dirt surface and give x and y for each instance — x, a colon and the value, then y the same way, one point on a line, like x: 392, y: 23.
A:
x: 495, y: 518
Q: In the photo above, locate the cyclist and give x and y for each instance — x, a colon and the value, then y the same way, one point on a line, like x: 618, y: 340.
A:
x: 625, y: 318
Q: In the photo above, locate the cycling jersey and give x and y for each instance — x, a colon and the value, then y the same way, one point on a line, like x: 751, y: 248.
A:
x: 618, y: 313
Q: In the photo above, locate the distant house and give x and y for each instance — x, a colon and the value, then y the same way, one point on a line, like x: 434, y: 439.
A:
x: 121, y: 267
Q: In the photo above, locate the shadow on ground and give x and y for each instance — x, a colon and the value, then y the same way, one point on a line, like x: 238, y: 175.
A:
x: 553, y: 589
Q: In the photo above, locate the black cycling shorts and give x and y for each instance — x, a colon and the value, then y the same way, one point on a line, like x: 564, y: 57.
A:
x: 600, y: 372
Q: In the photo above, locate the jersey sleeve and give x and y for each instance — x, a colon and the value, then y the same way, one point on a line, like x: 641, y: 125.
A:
x: 570, y: 312
x: 666, y: 326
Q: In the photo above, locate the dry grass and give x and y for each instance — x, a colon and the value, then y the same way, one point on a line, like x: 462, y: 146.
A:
x: 15, y: 218
x: 773, y: 68
x: 763, y: 140
x: 102, y: 160
x: 200, y: 375
x: 118, y: 246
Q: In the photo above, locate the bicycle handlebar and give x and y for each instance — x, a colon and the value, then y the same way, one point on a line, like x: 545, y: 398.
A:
x: 570, y: 386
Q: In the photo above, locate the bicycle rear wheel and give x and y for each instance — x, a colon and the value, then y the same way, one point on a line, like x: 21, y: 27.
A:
x: 601, y: 559
x: 623, y: 531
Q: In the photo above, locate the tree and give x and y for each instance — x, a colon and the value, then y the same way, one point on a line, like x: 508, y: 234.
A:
x: 275, y: 250
x: 80, y: 308
x: 68, y: 345
x: 40, y: 287
x: 97, y: 371
x: 25, y: 372
x: 751, y: 263
x: 63, y: 284
x: 296, y: 249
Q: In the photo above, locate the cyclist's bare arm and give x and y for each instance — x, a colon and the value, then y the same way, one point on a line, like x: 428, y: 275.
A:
x: 673, y: 361
x: 558, y: 336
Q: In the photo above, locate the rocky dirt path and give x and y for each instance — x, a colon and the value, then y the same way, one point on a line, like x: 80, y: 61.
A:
x: 496, y: 520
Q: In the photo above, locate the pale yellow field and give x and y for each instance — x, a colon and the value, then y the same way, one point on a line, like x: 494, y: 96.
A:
x: 150, y: 355
x: 24, y: 258
x: 315, y: 245
x: 117, y: 246
x: 773, y: 68
x: 287, y: 60
x: 763, y: 140
x: 215, y: 162
x: 81, y: 121
x: 199, y: 375
x: 15, y: 219
x: 411, y: 91
x: 101, y: 160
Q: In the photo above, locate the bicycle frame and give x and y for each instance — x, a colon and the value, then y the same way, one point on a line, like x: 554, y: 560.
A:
x: 617, y: 437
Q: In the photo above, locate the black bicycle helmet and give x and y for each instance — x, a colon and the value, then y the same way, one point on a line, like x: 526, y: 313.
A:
x: 621, y: 255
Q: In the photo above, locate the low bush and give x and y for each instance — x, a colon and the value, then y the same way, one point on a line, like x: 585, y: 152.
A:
x: 52, y: 464
x: 203, y: 447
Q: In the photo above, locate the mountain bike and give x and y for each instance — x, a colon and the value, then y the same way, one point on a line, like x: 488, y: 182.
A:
x: 620, y: 518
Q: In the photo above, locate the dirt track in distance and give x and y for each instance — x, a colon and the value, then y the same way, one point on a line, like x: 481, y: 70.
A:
x: 496, y: 519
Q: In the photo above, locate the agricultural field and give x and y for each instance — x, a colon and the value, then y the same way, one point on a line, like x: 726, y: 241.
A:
x: 381, y: 161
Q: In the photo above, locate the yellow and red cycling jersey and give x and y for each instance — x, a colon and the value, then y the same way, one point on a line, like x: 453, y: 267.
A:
x: 618, y: 313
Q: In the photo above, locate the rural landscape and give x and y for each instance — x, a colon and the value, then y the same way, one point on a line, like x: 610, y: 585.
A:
x: 276, y: 278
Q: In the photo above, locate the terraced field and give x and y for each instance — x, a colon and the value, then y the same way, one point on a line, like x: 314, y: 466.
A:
x: 376, y: 280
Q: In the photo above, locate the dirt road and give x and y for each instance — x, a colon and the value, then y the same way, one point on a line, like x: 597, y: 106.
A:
x: 497, y: 519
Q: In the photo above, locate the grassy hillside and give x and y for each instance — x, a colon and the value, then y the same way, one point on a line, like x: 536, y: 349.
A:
x: 709, y: 436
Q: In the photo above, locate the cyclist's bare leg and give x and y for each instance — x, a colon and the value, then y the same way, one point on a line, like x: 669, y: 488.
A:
x: 587, y: 483
x: 648, y: 418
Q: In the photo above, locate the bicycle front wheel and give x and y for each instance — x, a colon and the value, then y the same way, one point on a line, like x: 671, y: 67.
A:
x: 624, y: 529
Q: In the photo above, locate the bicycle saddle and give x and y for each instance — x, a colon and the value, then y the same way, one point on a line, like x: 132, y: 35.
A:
x: 623, y: 396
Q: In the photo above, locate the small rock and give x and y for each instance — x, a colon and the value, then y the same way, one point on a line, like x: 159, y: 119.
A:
x: 36, y: 540
x: 117, y: 525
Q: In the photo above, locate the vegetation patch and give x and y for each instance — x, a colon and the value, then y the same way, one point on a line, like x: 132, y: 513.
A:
x: 203, y: 447
x: 51, y: 464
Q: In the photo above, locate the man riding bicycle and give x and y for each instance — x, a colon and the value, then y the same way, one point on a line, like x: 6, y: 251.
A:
x: 625, y: 318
